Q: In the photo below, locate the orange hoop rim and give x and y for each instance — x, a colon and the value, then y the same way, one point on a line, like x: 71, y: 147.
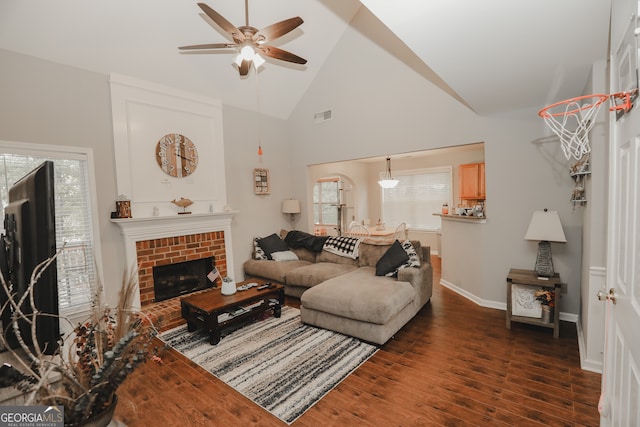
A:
x: 544, y: 113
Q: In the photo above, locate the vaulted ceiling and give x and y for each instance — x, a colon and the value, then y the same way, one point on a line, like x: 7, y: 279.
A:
x: 498, y: 57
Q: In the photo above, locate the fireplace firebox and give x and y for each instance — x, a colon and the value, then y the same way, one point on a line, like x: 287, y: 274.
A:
x: 181, y: 278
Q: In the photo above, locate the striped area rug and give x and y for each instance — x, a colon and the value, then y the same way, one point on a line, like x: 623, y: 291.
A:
x: 280, y: 364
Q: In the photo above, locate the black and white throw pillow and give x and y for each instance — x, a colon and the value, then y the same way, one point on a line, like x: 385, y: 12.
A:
x: 414, y: 260
x: 391, y: 260
x: 258, y: 253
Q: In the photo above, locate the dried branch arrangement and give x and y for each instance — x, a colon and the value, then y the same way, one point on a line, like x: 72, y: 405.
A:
x: 100, y: 353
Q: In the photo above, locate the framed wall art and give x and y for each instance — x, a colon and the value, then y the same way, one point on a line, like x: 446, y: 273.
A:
x: 261, y: 181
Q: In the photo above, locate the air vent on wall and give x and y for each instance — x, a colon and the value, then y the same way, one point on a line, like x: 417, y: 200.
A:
x: 323, y: 116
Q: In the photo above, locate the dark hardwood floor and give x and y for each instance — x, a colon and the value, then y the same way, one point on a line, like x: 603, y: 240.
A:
x: 454, y: 364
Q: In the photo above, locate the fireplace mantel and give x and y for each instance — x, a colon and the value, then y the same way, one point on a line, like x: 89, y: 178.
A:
x: 147, y: 228
x: 155, y: 227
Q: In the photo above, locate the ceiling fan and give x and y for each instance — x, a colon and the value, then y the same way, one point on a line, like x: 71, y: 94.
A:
x: 249, y: 41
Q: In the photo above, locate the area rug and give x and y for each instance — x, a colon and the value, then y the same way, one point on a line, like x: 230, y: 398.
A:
x: 279, y: 363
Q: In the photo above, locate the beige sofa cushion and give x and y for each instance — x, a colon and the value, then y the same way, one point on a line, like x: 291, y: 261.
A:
x: 273, y: 270
x: 360, y: 295
x: 311, y: 275
x: 304, y: 254
x: 325, y: 256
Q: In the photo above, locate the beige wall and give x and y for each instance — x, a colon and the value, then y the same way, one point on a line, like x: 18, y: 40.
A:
x: 381, y: 106
x: 388, y: 108
x: 364, y: 173
x: 48, y: 103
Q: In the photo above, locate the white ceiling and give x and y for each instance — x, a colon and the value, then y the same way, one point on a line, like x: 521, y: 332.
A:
x: 498, y: 56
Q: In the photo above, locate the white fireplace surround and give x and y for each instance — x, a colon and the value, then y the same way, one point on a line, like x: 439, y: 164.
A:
x: 148, y: 228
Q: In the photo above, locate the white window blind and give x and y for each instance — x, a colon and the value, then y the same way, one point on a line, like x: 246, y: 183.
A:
x: 418, y: 195
x: 76, y: 264
x: 325, y: 201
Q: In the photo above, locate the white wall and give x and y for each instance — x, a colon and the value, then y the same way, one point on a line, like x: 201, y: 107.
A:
x: 384, y: 107
x: 259, y: 215
x: 381, y: 106
x: 594, y: 259
x: 48, y: 103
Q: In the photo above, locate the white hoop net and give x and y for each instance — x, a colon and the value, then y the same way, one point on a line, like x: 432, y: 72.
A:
x: 573, y: 125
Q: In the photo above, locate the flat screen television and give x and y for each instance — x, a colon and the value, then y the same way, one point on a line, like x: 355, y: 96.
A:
x: 30, y: 238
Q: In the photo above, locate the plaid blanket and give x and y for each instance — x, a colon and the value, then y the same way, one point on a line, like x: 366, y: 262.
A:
x: 343, y: 246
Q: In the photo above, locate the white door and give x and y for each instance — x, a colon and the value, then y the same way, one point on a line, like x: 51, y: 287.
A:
x: 620, y: 402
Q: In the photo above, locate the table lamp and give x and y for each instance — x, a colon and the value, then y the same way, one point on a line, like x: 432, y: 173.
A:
x: 545, y: 227
x: 291, y: 207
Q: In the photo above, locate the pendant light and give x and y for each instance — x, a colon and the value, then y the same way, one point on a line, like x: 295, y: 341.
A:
x: 386, y: 180
x: 259, y: 117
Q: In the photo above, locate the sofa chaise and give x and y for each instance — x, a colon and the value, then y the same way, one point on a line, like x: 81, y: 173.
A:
x: 369, y: 296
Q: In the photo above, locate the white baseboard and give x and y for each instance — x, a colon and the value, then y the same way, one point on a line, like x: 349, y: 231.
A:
x: 567, y: 317
x: 586, y: 364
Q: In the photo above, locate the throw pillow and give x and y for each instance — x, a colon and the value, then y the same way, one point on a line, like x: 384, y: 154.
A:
x: 414, y: 259
x: 258, y: 253
x: 393, y: 258
x: 271, y: 244
x: 284, y: 256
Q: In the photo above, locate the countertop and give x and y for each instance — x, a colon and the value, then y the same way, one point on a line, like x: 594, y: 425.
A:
x: 463, y: 218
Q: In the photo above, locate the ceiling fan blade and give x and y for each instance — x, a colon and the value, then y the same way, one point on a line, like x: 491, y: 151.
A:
x: 227, y: 26
x: 283, y: 55
x: 209, y: 46
x: 276, y: 30
x: 244, y: 67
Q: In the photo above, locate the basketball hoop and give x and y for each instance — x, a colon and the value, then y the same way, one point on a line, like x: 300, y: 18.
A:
x: 572, y: 121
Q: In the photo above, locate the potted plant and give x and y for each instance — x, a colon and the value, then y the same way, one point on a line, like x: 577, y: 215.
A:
x: 91, y: 362
x: 548, y: 300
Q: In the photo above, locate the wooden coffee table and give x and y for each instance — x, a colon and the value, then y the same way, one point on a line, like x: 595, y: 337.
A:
x: 214, y: 312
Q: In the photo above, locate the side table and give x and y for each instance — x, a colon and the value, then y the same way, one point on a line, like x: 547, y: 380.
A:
x: 530, y: 278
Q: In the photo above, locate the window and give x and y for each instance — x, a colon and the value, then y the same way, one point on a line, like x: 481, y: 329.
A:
x: 325, y: 200
x: 418, y: 195
x: 76, y: 267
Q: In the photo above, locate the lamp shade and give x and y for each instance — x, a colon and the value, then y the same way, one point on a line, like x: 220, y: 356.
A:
x: 291, y: 206
x: 545, y: 226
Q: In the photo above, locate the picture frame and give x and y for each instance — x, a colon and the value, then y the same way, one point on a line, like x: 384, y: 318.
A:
x: 261, y: 183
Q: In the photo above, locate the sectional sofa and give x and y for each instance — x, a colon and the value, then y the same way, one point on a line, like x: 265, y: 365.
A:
x: 369, y: 296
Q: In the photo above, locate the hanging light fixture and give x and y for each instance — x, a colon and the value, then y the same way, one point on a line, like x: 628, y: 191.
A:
x: 247, y: 53
x: 386, y: 180
x: 258, y: 105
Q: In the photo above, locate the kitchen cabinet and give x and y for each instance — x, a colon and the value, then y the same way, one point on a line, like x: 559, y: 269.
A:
x: 471, y: 178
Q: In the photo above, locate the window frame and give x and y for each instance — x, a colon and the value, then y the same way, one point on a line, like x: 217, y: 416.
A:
x: 337, y: 180
x: 69, y: 153
x: 422, y: 171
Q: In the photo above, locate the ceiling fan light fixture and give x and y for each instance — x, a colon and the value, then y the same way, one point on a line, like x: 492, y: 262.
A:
x: 249, y: 40
x: 258, y: 61
x: 247, y: 53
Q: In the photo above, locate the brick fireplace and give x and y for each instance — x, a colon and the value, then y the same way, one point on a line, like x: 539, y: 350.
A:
x: 172, y: 250
x: 154, y: 241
